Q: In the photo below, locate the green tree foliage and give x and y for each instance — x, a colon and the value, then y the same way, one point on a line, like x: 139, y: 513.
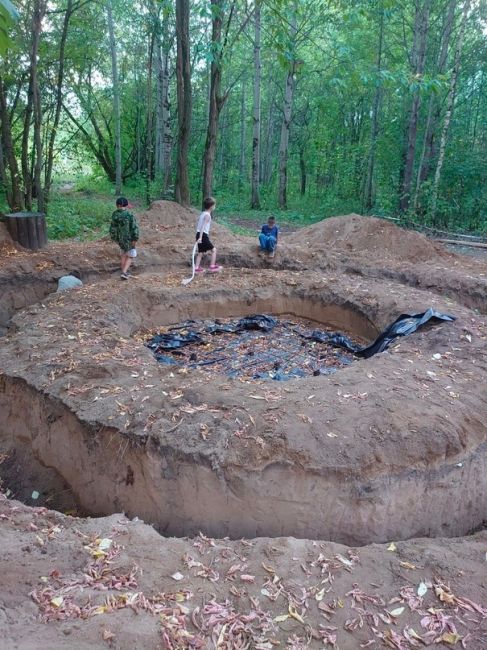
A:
x: 8, y: 16
x: 354, y: 83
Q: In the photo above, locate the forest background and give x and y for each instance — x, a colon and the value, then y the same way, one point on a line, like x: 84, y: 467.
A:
x: 300, y: 108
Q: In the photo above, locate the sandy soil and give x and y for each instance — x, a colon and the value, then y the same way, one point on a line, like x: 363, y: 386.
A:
x: 113, y: 583
x: 388, y: 449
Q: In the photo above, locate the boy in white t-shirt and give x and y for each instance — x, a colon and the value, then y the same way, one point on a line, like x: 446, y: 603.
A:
x: 203, y: 237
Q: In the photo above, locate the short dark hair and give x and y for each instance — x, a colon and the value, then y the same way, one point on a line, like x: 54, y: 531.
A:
x: 208, y: 202
x: 122, y: 202
x: 271, y: 218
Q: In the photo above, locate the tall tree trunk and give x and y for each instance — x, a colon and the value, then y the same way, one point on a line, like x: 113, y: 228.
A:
x: 428, y: 151
x: 39, y: 12
x: 16, y: 201
x: 138, y: 124
x: 166, y: 117
x: 24, y: 158
x: 284, y: 142
x: 369, y: 182
x: 183, y: 76
x: 150, y: 135
x: 216, y: 101
x: 449, y: 109
x: 418, y: 61
x: 163, y: 127
x: 225, y: 136
x: 59, y: 103
x: 3, y: 175
x: 255, y: 198
x: 116, y: 101
x: 267, y: 167
x: 242, y: 176
x: 158, y: 150
x: 286, y: 124
x: 31, y: 157
x: 480, y: 94
x: 302, y: 169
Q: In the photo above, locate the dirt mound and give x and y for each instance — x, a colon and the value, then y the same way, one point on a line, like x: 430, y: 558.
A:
x: 375, y: 237
x: 6, y: 242
x: 168, y: 230
x: 167, y: 214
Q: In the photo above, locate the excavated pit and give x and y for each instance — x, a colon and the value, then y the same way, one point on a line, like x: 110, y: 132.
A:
x: 25, y: 478
x: 387, y: 449
x: 255, y: 347
x: 363, y: 455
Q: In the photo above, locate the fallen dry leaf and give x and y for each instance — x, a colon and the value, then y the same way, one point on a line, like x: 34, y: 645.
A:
x: 407, y: 565
x: 108, y: 635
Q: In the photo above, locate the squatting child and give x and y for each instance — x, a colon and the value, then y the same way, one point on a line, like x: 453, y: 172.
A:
x: 124, y: 230
x: 268, y: 236
x: 203, y: 237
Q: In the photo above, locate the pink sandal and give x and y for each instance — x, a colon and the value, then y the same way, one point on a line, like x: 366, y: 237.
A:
x: 215, y: 268
x: 200, y: 269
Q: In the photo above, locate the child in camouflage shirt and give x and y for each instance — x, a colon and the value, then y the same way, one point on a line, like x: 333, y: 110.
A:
x: 125, y: 231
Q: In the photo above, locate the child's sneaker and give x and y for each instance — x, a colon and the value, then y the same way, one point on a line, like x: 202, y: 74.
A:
x: 215, y: 268
x: 124, y: 276
x: 200, y: 269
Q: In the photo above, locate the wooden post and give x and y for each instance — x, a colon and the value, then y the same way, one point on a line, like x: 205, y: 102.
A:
x: 27, y: 229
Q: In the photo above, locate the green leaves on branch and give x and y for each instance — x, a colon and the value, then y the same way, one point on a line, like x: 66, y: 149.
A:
x: 8, y: 16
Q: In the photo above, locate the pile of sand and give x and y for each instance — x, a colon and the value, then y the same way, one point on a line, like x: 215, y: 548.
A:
x: 167, y: 214
x: 374, y: 237
x: 169, y: 227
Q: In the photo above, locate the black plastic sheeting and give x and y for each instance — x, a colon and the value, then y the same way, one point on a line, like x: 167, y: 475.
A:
x: 403, y: 325
x: 173, y: 340
x: 257, y: 322
x: 286, y: 366
x: 254, y: 347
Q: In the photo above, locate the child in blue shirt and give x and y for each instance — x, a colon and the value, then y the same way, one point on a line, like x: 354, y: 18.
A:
x: 268, y: 236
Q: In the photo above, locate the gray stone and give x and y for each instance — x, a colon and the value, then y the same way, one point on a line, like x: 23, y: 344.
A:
x: 68, y: 282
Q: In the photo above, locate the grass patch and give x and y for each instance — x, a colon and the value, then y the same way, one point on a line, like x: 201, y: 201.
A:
x: 79, y: 216
x: 84, y: 212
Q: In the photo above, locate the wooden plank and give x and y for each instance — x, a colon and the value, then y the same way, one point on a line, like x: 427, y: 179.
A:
x: 12, y: 227
x: 22, y: 232
x: 41, y: 230
x: 32, y: 232
x: 27, y: 229
x: 456, y: 242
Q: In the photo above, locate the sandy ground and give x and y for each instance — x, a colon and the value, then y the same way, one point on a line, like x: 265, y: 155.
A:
x: 113, y: 583
x: 383, y: 452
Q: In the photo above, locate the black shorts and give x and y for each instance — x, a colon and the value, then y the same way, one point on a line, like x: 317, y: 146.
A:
x: 205, y: 245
